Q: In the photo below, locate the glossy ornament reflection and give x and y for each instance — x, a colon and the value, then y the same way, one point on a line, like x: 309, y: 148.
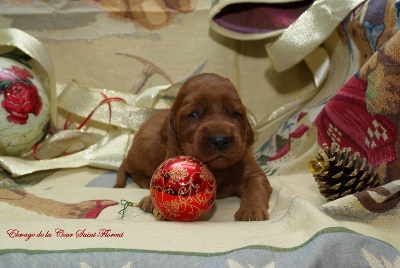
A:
x: 183, y: 189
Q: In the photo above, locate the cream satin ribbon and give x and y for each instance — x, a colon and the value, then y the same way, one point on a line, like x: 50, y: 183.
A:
x: 301, y: 41
x: 318, y: 63
x: 106, y: 153
x: 309, y: 31
x: 128, y: 114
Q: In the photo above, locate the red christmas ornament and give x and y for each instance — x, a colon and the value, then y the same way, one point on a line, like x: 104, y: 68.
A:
x: 183, y: 189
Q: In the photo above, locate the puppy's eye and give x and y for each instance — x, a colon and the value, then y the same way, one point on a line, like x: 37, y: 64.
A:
x: 236, y: 115
x: 193, y: 115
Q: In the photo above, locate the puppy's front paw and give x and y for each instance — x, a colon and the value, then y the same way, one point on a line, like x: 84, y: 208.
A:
x: 146, y: 204
x: 252, y: 214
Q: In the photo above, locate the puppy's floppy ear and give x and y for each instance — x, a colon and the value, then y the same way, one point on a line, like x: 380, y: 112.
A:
x: 167, y: 136
x: 168, y: 132
x: 248, y: 132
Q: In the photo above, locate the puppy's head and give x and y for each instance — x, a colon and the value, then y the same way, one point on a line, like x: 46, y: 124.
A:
x: 208, y: 121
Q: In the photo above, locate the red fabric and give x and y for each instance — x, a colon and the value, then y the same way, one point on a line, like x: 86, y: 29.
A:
x: 346, y: 121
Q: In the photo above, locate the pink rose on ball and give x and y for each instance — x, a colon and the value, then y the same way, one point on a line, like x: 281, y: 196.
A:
x: 20, y: 99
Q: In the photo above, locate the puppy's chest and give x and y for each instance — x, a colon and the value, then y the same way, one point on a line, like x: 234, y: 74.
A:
x: 225, y: 189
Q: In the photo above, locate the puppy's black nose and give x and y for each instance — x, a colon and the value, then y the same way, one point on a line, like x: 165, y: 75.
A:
x: 219, y: 142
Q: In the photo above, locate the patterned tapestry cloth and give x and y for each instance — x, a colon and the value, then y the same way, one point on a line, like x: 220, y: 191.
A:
x: 364, y: 114
x: 70, y: 217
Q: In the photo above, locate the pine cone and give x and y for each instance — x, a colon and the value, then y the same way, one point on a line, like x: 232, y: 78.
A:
x: 338, y: 174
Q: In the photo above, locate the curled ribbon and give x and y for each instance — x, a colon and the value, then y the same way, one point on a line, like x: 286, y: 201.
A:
x: 125, y: 205
x: 128, y: 114
x: 301, y: 41
x: 309, y: 31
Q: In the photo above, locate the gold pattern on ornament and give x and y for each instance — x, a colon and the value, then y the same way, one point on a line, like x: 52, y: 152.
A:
x: 172, y: 208
x: 178, y: 173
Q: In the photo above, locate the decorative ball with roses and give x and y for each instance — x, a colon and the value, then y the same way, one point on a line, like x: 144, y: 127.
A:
x: 21, y: 96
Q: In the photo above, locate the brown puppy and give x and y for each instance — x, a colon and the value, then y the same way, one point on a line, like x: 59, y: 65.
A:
x: 207, y: 121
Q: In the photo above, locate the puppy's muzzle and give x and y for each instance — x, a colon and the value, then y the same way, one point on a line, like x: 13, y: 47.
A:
x: 219, y: 142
